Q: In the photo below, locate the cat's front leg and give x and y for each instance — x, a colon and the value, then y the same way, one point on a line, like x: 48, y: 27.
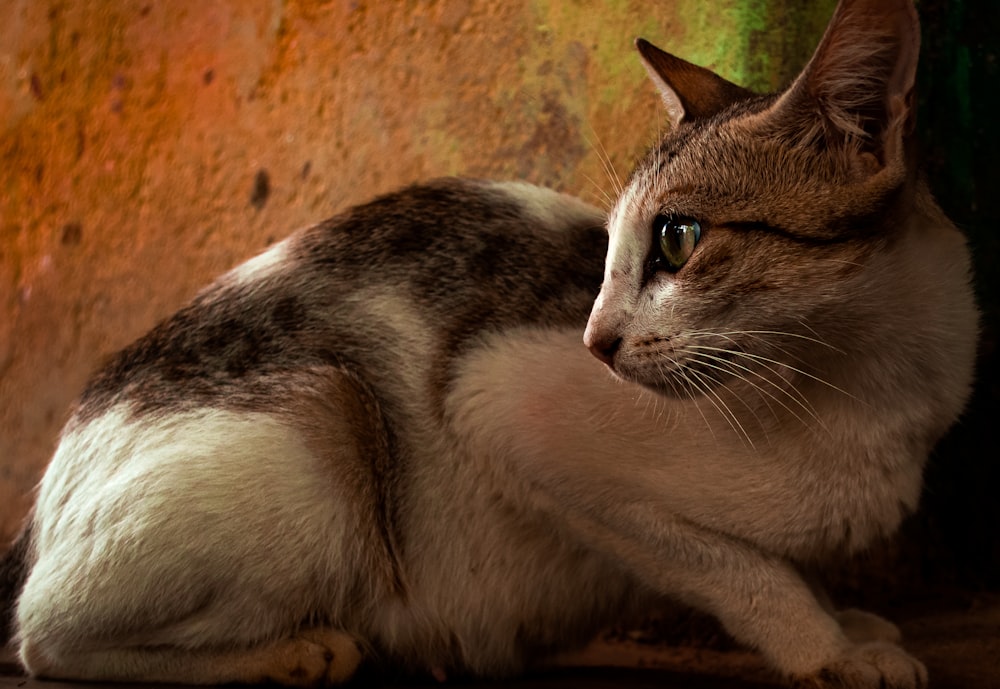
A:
x: 873, y: 659
x: 873, y: 664
x: 761, y: 599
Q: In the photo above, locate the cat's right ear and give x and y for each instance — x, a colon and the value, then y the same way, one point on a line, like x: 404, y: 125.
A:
x: 857, y: 92
x: 690, y: 92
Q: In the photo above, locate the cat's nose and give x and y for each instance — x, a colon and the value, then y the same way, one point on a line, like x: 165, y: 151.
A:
x: 604, y: 348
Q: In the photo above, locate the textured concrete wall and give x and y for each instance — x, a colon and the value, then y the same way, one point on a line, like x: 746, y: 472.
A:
x: 147, y: 146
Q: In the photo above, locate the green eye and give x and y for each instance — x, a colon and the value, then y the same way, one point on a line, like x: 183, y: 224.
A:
x: 678, y: 236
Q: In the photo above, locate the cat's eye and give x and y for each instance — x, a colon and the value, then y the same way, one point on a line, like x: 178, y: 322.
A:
x: 678, y: 236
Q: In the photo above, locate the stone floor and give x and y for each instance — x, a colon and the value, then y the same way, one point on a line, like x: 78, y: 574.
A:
x: 959, y: 644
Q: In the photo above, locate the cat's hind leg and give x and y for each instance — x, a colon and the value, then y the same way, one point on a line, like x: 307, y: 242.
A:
x: 312, y: 658
x: 192, y: 547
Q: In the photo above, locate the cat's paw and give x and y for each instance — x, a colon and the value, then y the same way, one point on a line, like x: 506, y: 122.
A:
x: 875, y: 665
x: 313, y: 658
x: 343, y: 652
x: 863, y: 627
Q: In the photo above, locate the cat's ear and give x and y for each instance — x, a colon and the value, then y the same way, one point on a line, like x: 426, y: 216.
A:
x: 856, y: 93
x: 690, y: 92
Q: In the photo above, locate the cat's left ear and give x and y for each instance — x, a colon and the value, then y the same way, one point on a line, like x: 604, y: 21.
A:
x: 857, y: 91
x: 690, y: 92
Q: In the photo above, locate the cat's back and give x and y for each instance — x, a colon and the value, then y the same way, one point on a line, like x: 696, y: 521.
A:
x: 416, y: 275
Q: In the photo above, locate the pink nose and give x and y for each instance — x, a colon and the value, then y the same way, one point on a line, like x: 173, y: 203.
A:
x: 604, y: 347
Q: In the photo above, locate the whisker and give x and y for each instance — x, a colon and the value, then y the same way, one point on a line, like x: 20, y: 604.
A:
x: 701, y: 356
x: 758, y: 357
x: 660, y: 407
x: 724, y: 409
x: 645, y: 407
x: 780, y: 333
x: 738, y: 349
x: 761, y: 358
x: 799, y: 397
x: 840, y: 260
x: 606, y: 163
x: 723, y: 366
x: 608, y: 200
x: 696, y: 402
x: 704, y: 395
x: 767, y: 342
x: 701, y: 359
x: 810, y: 329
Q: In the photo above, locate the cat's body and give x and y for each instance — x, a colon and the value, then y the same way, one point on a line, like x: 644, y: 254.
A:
x: 386, y: 429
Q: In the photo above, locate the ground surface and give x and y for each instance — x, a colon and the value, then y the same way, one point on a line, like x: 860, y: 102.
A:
x: 960, y: 645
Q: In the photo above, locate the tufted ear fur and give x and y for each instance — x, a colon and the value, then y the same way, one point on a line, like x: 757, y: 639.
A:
x: 690, y: 92
x: 856, y: 93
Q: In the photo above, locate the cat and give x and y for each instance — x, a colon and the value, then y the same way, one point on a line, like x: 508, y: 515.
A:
x: 383, y: 440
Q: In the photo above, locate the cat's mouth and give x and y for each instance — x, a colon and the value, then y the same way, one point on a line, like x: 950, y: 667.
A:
x: 685, y: 376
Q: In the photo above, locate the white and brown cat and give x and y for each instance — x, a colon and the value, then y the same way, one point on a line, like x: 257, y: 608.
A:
x: 383, y: 439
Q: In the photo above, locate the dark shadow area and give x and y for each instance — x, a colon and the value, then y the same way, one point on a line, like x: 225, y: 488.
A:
x: 959, y: 97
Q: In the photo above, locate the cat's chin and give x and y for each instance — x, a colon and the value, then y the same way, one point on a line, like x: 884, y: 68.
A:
x: 674, y: 388
x: 681, y: 391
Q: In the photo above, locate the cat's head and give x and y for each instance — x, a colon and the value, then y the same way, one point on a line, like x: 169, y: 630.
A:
x: 758, y: 230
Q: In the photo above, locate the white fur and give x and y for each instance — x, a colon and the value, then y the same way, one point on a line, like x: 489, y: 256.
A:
x: 207, y: 508
x: 260, y: 266
x: 551, y: 208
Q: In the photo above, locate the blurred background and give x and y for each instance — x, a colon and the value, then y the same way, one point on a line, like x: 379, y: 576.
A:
x: 145, y: 147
